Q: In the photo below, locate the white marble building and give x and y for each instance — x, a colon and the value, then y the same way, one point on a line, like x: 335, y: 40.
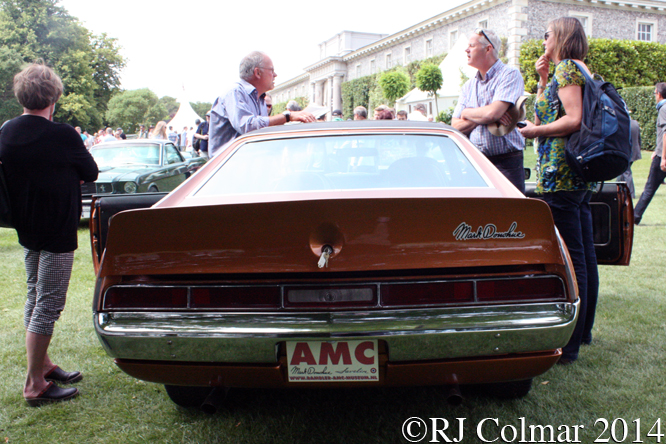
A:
x: 350, y: 55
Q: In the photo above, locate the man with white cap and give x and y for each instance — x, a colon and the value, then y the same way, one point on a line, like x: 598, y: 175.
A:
x: 488, y: 107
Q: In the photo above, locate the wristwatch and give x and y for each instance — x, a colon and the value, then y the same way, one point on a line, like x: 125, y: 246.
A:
x: 287, y: 114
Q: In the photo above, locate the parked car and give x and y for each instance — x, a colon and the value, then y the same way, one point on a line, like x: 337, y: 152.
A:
x: 138, y: 166
x: 377, y: 253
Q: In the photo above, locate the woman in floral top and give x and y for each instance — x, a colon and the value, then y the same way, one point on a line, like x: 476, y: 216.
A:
x: 558, y: 113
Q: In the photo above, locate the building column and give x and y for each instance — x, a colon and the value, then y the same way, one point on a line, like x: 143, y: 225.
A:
x: 337, y: 92
x: 517, y: 30
x: 319, y: 92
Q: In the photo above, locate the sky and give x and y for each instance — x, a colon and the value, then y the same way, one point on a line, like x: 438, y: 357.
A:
x: 198, y: 45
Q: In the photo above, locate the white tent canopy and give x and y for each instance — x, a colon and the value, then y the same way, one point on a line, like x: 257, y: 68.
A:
x: 453, y: 67
x: 186, y: 116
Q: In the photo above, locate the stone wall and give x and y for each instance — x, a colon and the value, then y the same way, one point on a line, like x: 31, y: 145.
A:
x: 498, y: 19
x: 519, y: 20
x: 608, y: 22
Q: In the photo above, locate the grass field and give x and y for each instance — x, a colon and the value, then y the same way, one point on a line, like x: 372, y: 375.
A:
x: 620, y: 377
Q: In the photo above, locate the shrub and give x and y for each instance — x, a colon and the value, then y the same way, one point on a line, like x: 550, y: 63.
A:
x: 625, y: 63
x: 445, y: 116
x: 280, y: 107
x: 640, y: 101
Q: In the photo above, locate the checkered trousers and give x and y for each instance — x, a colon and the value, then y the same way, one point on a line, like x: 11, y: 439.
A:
x: 48, y: 279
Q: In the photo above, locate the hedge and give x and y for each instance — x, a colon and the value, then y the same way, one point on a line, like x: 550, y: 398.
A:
x: 280, y: 107
x: 625, y: 63
x: 641, y: 103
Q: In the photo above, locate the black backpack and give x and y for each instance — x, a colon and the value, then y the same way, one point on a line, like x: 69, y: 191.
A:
x: 601, y: 149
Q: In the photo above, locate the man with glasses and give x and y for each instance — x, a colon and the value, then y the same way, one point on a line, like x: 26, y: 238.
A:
x: 657, y: 172
x: 485, y: 99
x: 243, y: 108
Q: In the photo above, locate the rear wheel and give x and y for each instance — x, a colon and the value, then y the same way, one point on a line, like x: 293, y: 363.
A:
x: 186, y: 396
x: 509, y: 390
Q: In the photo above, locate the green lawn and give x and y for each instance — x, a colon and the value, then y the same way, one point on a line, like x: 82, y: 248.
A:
x: 620, y: 376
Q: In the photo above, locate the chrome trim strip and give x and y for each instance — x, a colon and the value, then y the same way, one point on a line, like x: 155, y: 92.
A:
x: 411, y: 335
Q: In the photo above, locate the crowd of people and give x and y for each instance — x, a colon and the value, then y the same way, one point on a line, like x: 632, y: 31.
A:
x: 183, y: 140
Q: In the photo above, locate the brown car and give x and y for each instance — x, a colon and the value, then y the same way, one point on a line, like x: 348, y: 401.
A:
x: 342, y: 254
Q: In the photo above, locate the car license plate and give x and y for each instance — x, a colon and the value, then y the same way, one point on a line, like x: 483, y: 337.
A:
x: 333, y: 361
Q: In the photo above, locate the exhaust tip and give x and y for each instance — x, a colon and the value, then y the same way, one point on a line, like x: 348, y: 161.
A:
x: 453, y: 395
x: 214, y: 400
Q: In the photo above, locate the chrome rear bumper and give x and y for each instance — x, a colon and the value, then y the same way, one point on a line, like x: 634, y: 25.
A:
x: 411, y: 335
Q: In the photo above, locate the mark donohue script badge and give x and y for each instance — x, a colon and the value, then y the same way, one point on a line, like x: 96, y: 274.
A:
x: 489, y: 231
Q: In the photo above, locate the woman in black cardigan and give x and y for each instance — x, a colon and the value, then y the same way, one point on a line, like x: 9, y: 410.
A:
x: 45, y: 164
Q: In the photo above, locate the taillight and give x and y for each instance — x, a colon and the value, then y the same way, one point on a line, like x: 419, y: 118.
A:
x: 121, y: 297
x: 531, y: 288
x: 235, y: 297
x: 430, y: 293
x: 176, y: 298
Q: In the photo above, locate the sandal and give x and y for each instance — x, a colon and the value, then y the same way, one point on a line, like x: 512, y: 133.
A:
x: 52, y: 393
x: 59, y: 375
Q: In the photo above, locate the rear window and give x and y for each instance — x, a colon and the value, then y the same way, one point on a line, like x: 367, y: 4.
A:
x: 344, y: 163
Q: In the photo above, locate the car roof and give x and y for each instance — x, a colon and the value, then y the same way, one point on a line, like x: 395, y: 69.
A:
x: 353, y: 124
x: 131, y: 142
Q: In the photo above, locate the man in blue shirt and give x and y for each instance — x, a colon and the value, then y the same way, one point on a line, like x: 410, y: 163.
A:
x: 243, y: 109
x: 485, y: 99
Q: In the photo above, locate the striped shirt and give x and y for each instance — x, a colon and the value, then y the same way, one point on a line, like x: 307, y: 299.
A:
x: 502, y: 83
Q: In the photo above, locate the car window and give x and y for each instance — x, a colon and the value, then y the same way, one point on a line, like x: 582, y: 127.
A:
x: 172, y: 154
x: 125, y: 155
x: 344, y: 163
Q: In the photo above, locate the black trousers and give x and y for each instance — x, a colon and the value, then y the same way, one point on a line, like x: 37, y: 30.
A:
x: 511, y: 165
x: 655, y: 178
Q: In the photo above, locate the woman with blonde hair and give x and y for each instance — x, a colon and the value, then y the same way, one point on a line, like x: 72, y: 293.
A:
x: 558, y: 113
x: 160, y: 130
x: 45, y: 164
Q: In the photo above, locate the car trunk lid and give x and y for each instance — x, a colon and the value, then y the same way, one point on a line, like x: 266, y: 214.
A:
x: 373, y: 234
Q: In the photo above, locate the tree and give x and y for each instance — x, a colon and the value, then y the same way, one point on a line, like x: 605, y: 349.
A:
x: 10, y: 64
x: 88, y: 65
x: 429, y: 79
x: 129, y: 109
x: 201, y: 108
x: 106, y: 64
x: 171, y: 105
x: 394, y: 84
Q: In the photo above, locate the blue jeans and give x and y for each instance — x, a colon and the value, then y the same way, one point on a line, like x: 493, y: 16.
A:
x: 655, y: 178
x: 573, y: 219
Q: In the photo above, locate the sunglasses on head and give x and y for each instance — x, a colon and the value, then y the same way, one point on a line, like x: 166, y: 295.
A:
x: 480, y: 31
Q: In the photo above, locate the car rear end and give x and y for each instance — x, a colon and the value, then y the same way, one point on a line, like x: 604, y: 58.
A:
x: 321, y: 281
x: 225, y: 304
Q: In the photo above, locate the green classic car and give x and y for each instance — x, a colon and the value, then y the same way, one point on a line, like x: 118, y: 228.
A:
x: 138, y: 166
